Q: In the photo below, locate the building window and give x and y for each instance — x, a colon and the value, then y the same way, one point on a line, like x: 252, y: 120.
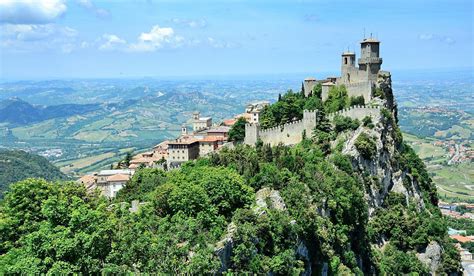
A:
x: 345, y: 60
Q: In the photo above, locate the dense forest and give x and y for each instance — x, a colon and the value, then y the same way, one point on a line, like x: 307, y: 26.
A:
x: 16, y: 165
x: 283, y: 210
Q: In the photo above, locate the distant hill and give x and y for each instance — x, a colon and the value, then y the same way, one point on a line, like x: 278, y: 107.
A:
x: 16, y: 165
x: 19, y: 112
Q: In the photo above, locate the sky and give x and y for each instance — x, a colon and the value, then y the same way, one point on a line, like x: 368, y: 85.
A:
x: 54, y: 39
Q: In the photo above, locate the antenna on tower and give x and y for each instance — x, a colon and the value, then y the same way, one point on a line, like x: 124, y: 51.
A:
x: 364, y: 33
x: 370, y: 35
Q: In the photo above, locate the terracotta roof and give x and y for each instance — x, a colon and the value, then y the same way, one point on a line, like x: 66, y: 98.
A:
x: 219, y: 129
x: 460, y: 238
x: 163, y: 145
x: 118, y: 177
x: 87, y: 180
x: 133, y: 166
x: 211, y: 139
x: 229, y: 122
x: 185, y: 141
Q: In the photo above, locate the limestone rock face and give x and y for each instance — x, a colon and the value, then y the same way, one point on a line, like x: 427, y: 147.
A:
x: 431, y: 257
x: 224, y: 247
x: 268, y: 198
x: 383, y: 168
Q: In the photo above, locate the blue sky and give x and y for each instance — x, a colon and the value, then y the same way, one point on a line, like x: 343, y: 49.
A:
x: 137, y: 38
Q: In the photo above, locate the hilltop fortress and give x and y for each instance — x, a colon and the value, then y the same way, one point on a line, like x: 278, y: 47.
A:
x: 361, y: 80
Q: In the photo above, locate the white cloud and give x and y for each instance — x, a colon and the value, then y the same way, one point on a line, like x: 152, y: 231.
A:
x: 28, y: 38
x: 192, y: 23
x: 90, y: 6
x: 31, y: 11
x: 157, y: 38
x: 435, y: 37
x: 111, y: 42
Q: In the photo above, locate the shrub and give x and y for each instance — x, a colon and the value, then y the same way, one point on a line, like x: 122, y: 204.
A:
x: 378, y: 92
x: 337, y: 99
x: 387, y: 115
x: 366, y: 145
x: 358, y: 100
x: 367, y: 121
x: 344, y: 123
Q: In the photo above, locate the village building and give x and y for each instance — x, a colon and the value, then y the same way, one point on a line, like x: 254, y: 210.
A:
x: 89, y: 181
x: 254, y: 109
x: 181, y: 150
x: 114, y: 184
x: 220, y: 131
x: 200, y: 123
x: 210, y: 144
x: 108, y: 182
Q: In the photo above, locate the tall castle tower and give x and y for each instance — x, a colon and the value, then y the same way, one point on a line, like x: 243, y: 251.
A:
x: 370, y: 60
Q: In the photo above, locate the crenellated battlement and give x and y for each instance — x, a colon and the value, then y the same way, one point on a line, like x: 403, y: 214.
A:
x: 292, y: 132
x: 357, y: 112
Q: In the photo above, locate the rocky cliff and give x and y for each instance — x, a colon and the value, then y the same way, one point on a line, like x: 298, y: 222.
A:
x: 404, y: 231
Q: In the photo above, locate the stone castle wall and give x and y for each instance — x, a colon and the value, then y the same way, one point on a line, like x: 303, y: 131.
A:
x: 360, y: 89
x: 288, y: 134
x: 357, y: 112
x: 353, y: 90
x: 292, y: 133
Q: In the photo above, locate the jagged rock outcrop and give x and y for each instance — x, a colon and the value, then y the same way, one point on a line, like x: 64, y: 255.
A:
x: 431, y: 257
x: 268, y: 198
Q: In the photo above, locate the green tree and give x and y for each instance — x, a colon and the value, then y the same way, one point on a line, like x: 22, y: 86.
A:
x: 237, y: 131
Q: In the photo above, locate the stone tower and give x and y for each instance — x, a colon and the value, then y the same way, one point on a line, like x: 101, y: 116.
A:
x: 184, y: 130
x: 196, y: 115
x: 348, y: 66
x: 370, y: 60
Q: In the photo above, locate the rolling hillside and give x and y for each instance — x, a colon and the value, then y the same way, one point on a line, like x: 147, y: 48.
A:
x: 16, y: 165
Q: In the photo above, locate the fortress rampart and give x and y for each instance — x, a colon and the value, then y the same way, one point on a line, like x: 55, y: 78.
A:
x: 292, y: 133
x: 357, y: 112
x: 289, y: 134
x: 363, y: 88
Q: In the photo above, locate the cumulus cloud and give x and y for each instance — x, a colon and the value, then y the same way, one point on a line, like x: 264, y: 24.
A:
x: 111, y: 42
x: 90, y: 6
x: 32, y: 37
x: 192, y: 23
x: 31, y: 11
x: 157, y: 38
x: 435, y: 37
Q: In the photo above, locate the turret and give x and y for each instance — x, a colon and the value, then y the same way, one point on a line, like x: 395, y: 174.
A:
x: 370, y: 60
x: 347, y: 66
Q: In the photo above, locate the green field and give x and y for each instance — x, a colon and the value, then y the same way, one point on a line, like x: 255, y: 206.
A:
x: 453, y: 181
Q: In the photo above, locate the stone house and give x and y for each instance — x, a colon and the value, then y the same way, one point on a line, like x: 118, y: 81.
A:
x: 181, y: 150
x: 200, y: 123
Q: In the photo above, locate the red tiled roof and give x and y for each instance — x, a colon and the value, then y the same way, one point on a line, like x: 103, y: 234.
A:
x: 461, y: 239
